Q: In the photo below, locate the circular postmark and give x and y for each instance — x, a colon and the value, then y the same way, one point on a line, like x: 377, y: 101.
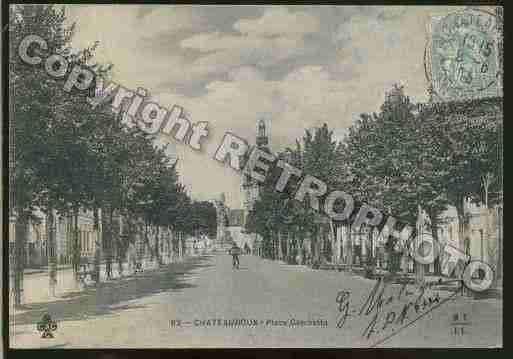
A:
x: 464, y: 60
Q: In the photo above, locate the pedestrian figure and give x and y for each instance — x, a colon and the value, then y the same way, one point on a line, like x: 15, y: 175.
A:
x: 235, y: 252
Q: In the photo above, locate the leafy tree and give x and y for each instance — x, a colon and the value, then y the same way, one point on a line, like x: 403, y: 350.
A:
x: 461, y: 142
x: 204, y: 218
x: 69, y: 157
x: 36, y: 104
x: 392, y: 169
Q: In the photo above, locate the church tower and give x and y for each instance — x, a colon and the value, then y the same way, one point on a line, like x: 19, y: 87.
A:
x: 249, y: 185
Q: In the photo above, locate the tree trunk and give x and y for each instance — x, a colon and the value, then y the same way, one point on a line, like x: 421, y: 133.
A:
x: 146, y: 242
x: 120, y: 243
x: 169, y: 240
x: 97, y: 246
x: 285, y: 246
x: 141, y: 244
x: 460, y: 209
x: 275, y: 245
x: 157, y: 246
x: 340, y: 234
x: 277, y: 239
x: 117, y: 253
x: 313, y: 240
x: 19, y: 257
x: 370, y: 253
x: 433, y: 217
x: 318, y: 243
x: 349, y: 248
x: 301, y: 245
x: 178, y: 245
x: 173, y: 244
x: 279, y: 247
x: 183, y: 246
x: 420, y: 268
x: 288, y: 243
x: 334, y: 245
x: 52, y: 262
x: 76, y: 246
x: 107, y: 221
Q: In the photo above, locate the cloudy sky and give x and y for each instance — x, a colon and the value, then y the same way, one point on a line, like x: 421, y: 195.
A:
x: 295, y: 66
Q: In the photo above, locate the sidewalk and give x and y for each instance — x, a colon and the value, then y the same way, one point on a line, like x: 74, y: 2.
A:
x: 44, y: 269
x: 437, y: 282
x: 36, y: 282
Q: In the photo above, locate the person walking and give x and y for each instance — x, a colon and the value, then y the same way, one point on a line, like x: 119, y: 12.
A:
x: 235, y: 252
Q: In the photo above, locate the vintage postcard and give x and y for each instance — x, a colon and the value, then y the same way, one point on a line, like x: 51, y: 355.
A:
x: 186, y: 176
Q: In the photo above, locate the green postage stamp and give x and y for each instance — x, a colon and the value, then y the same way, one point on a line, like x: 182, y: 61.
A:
x: 464, y: 55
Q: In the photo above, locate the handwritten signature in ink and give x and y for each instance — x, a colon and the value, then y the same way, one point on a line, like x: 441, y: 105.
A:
x: 378, y: 305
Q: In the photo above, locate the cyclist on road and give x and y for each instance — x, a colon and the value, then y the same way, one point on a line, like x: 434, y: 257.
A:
x: 235, y: 252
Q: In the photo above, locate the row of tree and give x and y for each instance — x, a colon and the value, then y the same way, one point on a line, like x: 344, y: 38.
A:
x: 67, y: 157
x: 402, y: 160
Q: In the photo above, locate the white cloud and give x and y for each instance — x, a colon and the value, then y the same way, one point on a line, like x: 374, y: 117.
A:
x: 212, y: 41
x: 374, y: 49
x: 274, y: 37
x: 122, y: 35
x: 279, y: 21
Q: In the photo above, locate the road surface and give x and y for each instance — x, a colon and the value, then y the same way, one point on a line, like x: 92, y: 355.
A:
x: 205, y: 303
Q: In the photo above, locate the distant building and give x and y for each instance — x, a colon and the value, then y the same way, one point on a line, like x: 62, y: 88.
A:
x: 222, y: 212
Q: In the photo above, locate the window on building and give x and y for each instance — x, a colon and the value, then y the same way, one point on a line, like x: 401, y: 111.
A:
x: 481, y: 235
x: 450, y: 233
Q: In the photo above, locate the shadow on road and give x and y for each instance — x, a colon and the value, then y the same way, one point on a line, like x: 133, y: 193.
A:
x: 108, y: 298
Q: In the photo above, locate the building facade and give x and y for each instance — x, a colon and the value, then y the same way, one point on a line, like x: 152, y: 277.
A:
x: 37, y: 248
x: 482, y: 233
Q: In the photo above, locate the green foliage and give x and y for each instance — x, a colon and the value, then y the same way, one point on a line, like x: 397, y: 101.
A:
x: 70, y: 156
x: 403, y: 158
